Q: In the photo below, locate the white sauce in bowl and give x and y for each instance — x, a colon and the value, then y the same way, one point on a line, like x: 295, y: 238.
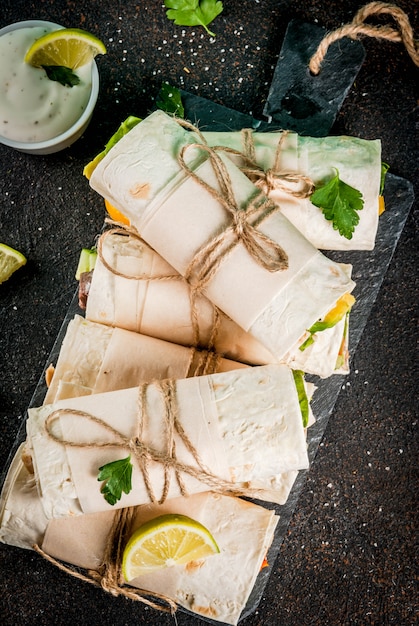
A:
x: 34, y: 108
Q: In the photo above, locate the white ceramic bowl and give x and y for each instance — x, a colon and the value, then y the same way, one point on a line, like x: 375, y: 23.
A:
x: 64, y: 140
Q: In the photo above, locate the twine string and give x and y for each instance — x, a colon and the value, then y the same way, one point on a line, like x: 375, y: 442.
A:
x: 208, y: 359
x: 266, y: 252
x: 358, y: 27
x: 109, y: 575
x: 273, y: 178
x: 145, y: 454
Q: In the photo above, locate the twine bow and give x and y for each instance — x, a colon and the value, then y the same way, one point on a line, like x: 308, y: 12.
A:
x: 274, y: 178
x: 358, y: 27
x: 109, y: 576
x: 244, y: 222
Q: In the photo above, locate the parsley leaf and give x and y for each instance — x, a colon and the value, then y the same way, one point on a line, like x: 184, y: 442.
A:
x: 193, y: 12
x: 61, y: 74
x: 339, y: 203
x: 118, y: 477
x: 169, y: 100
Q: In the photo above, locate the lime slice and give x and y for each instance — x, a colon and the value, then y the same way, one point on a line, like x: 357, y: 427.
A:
x: 166, y: 541
x: 67, y: 47
x: 10, y: 261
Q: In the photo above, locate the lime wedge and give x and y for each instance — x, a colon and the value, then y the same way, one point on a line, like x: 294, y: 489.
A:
x: 67, y: 47
x: 10, y: 261
x: 166, y: 541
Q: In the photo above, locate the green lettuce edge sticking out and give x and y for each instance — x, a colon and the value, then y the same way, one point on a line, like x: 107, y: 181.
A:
x: 302, y: 395
x: 123, y: 129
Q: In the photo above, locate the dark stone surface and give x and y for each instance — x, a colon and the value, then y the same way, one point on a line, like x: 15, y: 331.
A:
x: 349, y: 557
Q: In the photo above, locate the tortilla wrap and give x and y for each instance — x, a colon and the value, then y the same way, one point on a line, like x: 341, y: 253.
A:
x: 95, y: 358
x: 129, y: 289
x: 358, y: 162
x: 245, y: 425
x: 81, y: 541
x: 123, y: 294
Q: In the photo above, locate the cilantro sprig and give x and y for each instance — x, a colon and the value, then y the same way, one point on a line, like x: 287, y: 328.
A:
x: 63, y: 75
x: 118, y: 478
x: 169, y: 100
x: 340, y: 204
x: 193, y: 12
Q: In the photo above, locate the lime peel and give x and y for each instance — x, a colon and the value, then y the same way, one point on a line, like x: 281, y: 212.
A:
x: 10, y: 261
x: 66, y: 47
x: 165, y: 541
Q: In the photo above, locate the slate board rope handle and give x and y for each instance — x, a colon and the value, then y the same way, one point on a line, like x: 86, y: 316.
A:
x: 358, y: 27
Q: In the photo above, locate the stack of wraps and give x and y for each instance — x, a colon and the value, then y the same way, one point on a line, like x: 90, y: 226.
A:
x: 246, y: 425
x: 193, y: 324
x: 209, y: 222
x: 134, y: 288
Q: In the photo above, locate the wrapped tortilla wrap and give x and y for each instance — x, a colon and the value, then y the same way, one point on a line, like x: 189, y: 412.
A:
x: 133, y: 287
x: 81, y: 541
x: 130, y: 289
x: 243, y: 427
x: 358, y: 162
x: 213, y: 226
x: 95, y: 358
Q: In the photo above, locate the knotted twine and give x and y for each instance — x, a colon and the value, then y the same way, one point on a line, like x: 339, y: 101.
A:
x: 145, y: 454
x: 109, y: 576
x: 358, y: 27
x: 273, y: 178
x: 243, y: 225
x: 208, y: 360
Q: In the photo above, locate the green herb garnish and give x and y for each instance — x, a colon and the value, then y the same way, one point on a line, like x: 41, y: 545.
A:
x: 302, y: 395
x: 193, y: 12
x: 169, y: 100
x: 118, y: 477
x: 61, y: 74
x: 340, y: 204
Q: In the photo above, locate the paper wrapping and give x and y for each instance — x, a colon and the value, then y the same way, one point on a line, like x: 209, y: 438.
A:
x: 216, y: 587
x: 245, y: 424
x: 358, y: 162
x: 95, y: 358
x: 22, y: 518
x: 141, y: 176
